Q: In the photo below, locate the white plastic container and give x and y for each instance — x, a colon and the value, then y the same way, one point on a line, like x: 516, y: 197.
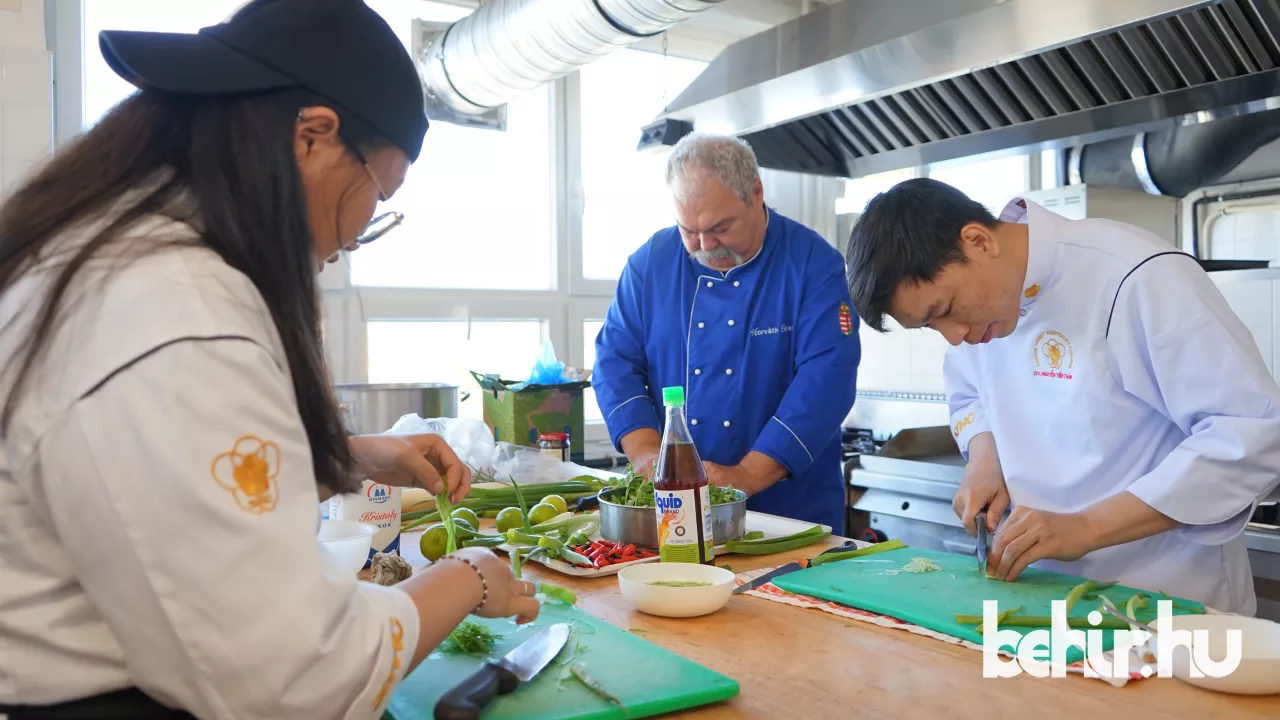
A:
x: 377, y: 505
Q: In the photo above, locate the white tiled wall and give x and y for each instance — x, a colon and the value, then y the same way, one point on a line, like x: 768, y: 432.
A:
x: 901, y: 359
x: 26, y: 89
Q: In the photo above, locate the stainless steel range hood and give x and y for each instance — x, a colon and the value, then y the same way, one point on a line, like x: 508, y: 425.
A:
x: 864, y: 86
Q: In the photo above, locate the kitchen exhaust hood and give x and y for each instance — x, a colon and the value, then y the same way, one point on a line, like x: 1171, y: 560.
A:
x: 864, y: 86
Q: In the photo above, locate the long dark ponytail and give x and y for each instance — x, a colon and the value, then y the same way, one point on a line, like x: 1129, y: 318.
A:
x: 234, y: 156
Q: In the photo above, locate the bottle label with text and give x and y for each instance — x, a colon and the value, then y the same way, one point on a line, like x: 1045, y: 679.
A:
x: 681, y: 532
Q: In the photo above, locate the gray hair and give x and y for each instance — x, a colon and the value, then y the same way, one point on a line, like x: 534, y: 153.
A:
x: 729, y: 160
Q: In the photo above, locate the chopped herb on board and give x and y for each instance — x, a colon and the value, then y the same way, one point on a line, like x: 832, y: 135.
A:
x: 470, y: 638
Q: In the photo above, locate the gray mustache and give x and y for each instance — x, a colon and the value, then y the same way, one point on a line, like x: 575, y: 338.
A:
x: 721, y: 253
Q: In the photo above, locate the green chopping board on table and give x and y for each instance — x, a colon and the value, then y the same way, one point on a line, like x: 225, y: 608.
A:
x: 646, y: 679
x: 933, y: 599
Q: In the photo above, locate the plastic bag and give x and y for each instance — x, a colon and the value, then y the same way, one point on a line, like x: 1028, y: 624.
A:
x: 471, y: 440
x: 547, y: 370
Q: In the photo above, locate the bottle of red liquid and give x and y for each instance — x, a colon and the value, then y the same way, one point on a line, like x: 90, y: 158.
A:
x: 681, y: 495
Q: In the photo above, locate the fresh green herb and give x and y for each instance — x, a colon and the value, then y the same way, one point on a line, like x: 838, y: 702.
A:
x: 679, y: 583
x: 894, y: 544
x: 470, y: 638
x: 634, y: 490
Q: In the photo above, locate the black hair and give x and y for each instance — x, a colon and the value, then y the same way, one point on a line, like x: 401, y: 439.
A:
x: 233, y: 155
x: 907, y: 234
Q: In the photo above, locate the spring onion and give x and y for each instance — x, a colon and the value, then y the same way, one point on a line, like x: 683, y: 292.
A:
x: 778, y: 544
x: 446, y: 516
x: 579, y: 671
x: 1003, y: 616
x: 1077, y: 592
x: 564, y: 595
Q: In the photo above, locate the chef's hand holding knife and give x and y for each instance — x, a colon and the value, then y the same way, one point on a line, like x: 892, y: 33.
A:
x: 1028, y: 535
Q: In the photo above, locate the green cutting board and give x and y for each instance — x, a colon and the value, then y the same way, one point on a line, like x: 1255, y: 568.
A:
x: 933, y: 599
x: 645, y: 678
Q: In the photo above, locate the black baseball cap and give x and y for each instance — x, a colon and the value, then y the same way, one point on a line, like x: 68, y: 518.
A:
x: 340, y: 50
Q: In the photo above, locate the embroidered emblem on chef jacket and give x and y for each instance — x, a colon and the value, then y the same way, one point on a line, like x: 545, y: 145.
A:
x: 960, y: 426
x: 1054, y: 349
x: 397, y: 646
x: 1031, y: 292
x: 249, y: 472
x: 846, y: 319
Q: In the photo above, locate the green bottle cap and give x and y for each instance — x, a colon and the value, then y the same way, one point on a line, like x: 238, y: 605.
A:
x: 673, y: 396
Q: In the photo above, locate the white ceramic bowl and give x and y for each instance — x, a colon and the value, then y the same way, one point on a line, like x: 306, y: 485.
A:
x: 1259, y: 669
x: 348, y: 541
x: 677, y: 602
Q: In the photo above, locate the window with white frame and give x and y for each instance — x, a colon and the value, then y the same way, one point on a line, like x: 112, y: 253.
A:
x: 448, y: 350
x: 859, y: 191
x: 624, y: 191
x: 991, y: 182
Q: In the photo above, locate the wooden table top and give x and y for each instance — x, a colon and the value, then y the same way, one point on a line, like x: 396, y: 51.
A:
x: 804, y: 664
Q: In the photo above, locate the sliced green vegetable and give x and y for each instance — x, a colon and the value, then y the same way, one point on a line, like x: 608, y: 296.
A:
x: 753, y: 535
x: 450, y: 524
x: 894, y: 544
x: 572, y: 557
x: 552, y: 543
x: 1179, y: 606
x: 564, y: 595
x: 1078, y: 591
x: 516, y: 536
x: 1004, y: 615
x: 579, y: 671
x: 470, y: 638
x: 778, y: 544
x: 1038, y: 621
x: 679, y: 583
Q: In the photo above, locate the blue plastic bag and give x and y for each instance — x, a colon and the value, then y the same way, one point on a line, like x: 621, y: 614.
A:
x: 547, y: 370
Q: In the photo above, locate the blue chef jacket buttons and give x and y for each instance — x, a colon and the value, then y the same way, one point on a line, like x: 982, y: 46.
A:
x: 701, y: 325
x: 726, y: 423
x: 697, y: 371
x: 736, y: 283
x: 730, y: 323
x: 709, y: 284
x: 728, y: 371
x: 693, y: 421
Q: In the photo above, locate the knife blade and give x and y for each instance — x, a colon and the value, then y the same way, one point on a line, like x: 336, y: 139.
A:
x: 768, y: 577
x: 467, y: 699
x: 980, y: 520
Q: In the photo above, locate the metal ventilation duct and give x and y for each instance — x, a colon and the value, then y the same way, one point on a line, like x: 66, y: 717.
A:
x: 869, y: 85
x: 508, y: 47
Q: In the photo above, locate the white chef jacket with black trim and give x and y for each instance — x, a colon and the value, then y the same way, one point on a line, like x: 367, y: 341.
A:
x: 158, y: 509
x: 767, y: 353
x: 1128, y: 371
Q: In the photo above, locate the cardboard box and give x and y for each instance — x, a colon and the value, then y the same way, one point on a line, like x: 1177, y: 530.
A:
x: 519, y: 416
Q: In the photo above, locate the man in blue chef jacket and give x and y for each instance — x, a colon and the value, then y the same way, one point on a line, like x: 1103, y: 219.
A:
x: 748, y: 311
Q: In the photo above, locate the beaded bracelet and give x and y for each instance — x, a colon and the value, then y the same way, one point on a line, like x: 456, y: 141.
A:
x: 483, y: 582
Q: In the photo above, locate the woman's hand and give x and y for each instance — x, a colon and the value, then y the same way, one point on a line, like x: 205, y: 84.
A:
x: 412, y: 460
x: 508, y: 595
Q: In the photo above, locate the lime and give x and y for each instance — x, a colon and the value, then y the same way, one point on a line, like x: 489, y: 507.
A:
x: 467, y: 514
x: 558, y: 502
x: 434, y: 542
x: 542, y: 512
x: 509, y: 518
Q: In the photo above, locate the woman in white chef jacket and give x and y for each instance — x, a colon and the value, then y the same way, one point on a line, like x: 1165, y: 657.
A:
x: 1099, y: 383
x: 167, y: 424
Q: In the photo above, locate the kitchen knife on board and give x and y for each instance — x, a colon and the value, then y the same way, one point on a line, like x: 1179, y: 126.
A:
x: 468, y: 698
x: 770, y: 576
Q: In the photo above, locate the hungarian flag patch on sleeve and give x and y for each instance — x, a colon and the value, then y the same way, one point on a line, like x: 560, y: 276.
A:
x: 846, y: 319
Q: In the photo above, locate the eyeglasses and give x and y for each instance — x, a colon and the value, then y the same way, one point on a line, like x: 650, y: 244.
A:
x: 384, y: 223
x: 379, y: 226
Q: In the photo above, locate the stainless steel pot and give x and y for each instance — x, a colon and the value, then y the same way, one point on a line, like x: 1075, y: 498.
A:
x: 374, y: 408
x: 639, y: 525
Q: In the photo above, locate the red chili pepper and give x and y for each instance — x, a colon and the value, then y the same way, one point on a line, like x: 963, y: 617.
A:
x: 629, y: 550
x: 603, y: 562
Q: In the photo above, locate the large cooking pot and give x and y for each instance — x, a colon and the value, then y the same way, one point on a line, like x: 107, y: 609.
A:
x: 374, y: 408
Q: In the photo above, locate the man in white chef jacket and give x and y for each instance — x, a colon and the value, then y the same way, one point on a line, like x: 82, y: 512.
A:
x: 1099, y: 383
